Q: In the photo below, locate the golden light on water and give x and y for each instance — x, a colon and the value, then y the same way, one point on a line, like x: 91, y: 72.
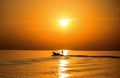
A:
x: 63, y: 63
x: 65, y: 52
x: 62, y: 69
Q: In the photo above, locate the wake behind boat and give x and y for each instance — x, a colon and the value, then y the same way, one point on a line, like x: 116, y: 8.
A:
x: 62, y: 54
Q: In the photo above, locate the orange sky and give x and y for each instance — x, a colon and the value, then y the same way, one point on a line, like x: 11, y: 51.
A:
x: 28, y: 24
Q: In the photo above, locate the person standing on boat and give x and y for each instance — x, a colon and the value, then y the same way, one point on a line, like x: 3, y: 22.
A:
x: 62, y: 52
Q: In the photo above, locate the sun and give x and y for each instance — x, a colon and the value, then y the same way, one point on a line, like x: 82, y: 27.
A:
x: 64, y: 22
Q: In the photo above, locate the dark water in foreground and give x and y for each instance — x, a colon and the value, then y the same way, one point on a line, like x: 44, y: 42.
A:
x: 21, y: 64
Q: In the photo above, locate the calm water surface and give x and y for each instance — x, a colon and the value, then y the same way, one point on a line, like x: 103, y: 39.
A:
x: 40, y: 64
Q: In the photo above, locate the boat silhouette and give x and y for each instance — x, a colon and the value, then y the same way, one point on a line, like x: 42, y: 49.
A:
x: 57, y: 54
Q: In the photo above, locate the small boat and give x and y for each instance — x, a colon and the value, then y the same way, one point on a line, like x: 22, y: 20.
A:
x: 57, y: 54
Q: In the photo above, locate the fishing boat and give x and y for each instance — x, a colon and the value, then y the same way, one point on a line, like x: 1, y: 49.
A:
x: 57, y: 54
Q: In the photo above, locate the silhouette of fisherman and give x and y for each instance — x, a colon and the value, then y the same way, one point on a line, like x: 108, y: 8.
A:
x: 62, y: 52
x: 54, y: 53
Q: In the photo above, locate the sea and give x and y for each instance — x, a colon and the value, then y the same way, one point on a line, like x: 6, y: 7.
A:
x: 40, y: 64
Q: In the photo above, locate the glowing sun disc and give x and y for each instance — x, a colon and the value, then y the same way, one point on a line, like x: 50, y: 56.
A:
x: 64, y: 22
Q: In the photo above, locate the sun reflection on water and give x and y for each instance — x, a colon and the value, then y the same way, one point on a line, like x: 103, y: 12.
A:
x: 65, y: 52
x: 62, y: 69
